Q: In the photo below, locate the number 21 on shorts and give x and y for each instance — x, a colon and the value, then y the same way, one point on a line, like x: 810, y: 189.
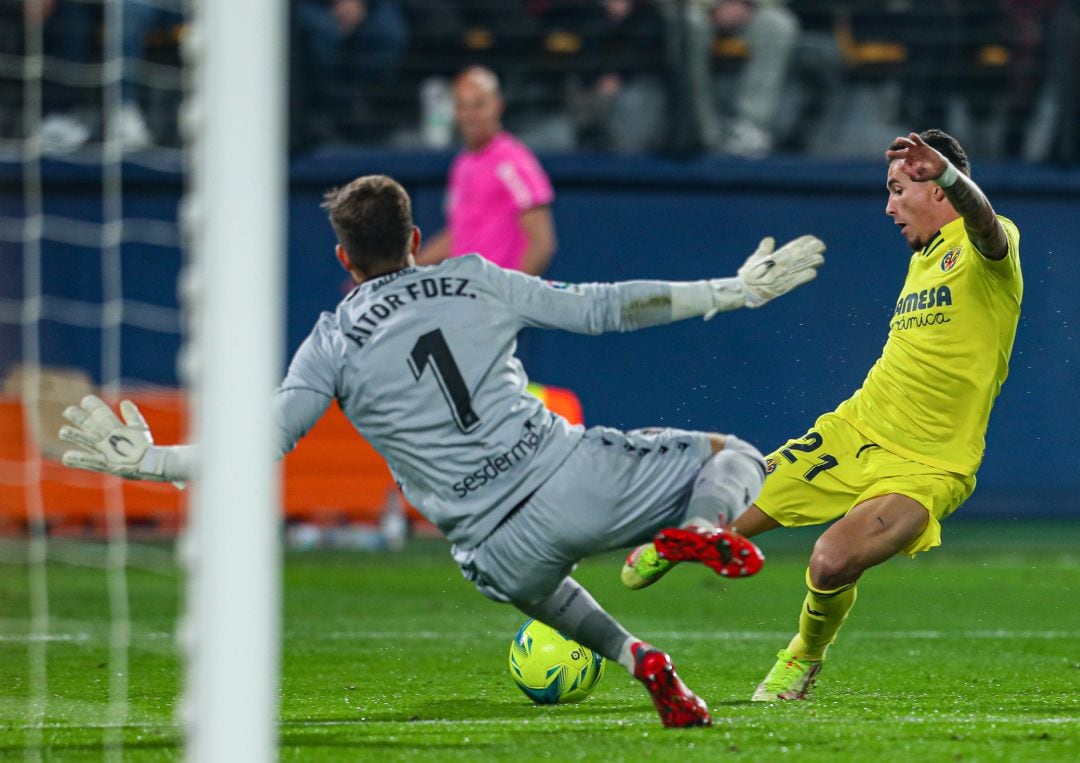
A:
x: 808, y: 444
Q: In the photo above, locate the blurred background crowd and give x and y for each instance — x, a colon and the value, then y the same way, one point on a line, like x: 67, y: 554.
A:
x: 738, y: 77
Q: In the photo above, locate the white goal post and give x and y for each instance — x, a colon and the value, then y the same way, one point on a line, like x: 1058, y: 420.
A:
x: 234, y: 220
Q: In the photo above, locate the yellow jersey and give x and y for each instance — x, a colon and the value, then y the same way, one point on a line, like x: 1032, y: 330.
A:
x: 928, y: 396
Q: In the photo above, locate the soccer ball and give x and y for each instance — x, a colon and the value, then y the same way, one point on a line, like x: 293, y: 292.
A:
x: 550, y: 668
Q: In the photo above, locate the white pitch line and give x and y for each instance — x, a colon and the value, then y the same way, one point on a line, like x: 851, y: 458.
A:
x: 82, y: 637
x: 53, y: 726
x: 717, y: 635
x: 25, y: 638
x: 649, y: 720
x: 592, y: 722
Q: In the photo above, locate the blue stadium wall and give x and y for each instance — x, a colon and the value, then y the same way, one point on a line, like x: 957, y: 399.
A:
x: 763, y: 374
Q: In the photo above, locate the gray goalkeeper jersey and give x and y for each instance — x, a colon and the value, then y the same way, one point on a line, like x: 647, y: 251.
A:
x: 422, y: 363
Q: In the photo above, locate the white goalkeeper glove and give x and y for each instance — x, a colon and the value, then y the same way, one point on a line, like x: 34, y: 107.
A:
x: 124, y: 448
x: 767, y: 274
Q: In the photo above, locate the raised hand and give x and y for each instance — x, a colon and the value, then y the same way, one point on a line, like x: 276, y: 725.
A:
x: 918, y: 161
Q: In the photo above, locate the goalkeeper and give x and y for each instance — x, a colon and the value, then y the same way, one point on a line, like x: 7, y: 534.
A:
x: 421, y: 360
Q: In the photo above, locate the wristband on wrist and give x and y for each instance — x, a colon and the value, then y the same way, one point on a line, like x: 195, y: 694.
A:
x: 689, y: 300
x: 948, y: 177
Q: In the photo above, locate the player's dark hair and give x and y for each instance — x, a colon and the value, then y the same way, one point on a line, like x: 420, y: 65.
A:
x: 372, y: 218
x: 947, y: 145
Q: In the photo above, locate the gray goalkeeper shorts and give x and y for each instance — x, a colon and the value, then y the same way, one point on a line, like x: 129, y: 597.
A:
x: 616, y: 489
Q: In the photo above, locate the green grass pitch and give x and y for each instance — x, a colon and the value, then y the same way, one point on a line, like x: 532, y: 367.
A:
x: 970, y: 653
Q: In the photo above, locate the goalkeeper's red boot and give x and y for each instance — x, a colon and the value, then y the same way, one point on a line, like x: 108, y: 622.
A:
x: 726, y: 552
x: 677, y: 705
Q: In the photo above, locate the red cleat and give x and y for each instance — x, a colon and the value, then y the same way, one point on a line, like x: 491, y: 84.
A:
x: 726, y: 552
x: 678, y: 706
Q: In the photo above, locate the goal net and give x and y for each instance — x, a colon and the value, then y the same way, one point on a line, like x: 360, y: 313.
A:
x: 111, y: 110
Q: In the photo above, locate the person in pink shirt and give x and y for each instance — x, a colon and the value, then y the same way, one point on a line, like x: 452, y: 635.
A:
x: 498, y: 199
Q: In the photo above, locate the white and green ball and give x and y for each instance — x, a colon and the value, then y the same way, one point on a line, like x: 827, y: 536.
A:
x: 551, y: 668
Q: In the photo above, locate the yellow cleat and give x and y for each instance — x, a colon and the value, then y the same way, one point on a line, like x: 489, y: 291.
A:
x: 790, y: 678
x: 643, y: 567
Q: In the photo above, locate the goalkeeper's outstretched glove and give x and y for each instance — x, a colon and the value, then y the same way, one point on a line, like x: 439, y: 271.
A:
x: 767, y: 274
x: 124, y: 448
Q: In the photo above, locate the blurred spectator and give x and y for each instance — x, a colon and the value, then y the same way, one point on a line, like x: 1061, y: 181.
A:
x: 505, y: 36
x: 436, y: 25
x: 1029, y: 91
x: 816, y: 92
x: 72, y: 34
x: 12, y: 32
x: 68, y: 30
x: 993, y: 71
x: 741, y: 120
x: 1064, y: 83
x: 472, y: 26
x: 498, y: 195
x: 616, y: 94
x: 932, y: 32
x: 343, y: 50
x: 141, y: 18
x: 905, y: 64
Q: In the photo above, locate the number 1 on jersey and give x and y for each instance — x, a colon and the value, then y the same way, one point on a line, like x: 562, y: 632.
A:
x: 432, y: 346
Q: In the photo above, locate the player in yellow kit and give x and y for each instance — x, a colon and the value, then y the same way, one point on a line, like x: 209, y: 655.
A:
x: 901, y: 453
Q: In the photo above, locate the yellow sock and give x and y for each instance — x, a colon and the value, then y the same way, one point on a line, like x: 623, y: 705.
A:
x: 822, y: 615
